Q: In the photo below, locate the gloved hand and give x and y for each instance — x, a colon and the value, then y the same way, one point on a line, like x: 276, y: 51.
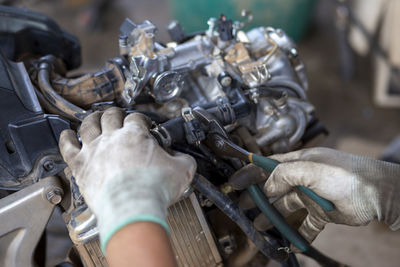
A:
x: 121, y: 171
x: 361, y: 188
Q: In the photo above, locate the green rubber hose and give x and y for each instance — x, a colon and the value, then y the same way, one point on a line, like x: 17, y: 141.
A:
x: 276, y: 218
x: 270, y: 164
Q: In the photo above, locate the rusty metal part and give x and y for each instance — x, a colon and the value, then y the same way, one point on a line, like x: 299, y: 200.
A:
x: 191, y: 238
x: 144, y: 44
x: 68, y: 109
x: 237, y: 55
x: 106, y: 84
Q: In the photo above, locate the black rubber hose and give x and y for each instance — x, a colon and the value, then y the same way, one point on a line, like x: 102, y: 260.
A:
x: 69, y: 109
x: 227, y: 206
x: 322, y: 259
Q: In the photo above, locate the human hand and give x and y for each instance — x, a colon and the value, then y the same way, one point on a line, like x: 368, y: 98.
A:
x: 362, y: 189
x: 122, y: 172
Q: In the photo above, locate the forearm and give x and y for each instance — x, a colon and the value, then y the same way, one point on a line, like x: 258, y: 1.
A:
x: 140, y: 244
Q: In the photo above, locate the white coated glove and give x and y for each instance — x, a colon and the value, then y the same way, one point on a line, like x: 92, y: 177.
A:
x: 122, y: 172
x: 362, y: 189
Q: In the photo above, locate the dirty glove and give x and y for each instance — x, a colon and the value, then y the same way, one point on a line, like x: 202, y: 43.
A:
x: 121, y: 171
x: 361, y: 188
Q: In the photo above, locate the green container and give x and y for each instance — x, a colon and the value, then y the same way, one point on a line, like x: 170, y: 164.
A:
x: 293, y: 16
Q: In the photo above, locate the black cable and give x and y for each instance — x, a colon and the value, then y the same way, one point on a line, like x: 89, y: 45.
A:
x: 231, y: 209
x: 322, y: 259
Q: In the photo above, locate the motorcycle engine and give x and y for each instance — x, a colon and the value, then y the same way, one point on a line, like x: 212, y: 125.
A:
x: 254, y: 82
x: 194, y: 71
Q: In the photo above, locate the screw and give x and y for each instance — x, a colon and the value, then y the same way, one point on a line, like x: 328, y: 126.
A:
x: 226, y: 188
x: 226, y: 81
x: 54, y: 196
x: 228, y: 243
x: 206, y: 202
x: 123, y: 40
x: 48, y: 165
x: 293, y: 51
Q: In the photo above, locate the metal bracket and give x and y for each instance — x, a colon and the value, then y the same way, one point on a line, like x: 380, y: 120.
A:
x: 24, y: 216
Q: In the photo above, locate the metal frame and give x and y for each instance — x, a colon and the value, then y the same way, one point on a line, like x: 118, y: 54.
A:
x: 23, y: 218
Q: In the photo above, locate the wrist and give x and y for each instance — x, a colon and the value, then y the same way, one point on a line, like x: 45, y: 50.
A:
x: 134, y: 196
x: 389, y: 197
x: 378, y: 184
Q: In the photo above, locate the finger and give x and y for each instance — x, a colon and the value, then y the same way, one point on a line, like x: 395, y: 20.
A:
x: 316, y: 154
x: 291, y: 156
x: 90, y: 127
x: 246, y: 176
x: 138, y: 120
x: 112, y: 119
x: 69, y: 145
x: 245, y: 201
x: 286, y: 205
x: 311, y: 227
x: 290, y: 174
x: 188, y: 163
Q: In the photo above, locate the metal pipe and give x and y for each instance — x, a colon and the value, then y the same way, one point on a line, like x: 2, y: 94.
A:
x: 227, y: 206
x: 55, y: 99
x: 106, y: 84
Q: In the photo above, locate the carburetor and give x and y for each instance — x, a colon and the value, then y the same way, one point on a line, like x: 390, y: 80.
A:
x: 195, y: 69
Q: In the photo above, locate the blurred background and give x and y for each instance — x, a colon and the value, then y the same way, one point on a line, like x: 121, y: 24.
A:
x: 351, y: 58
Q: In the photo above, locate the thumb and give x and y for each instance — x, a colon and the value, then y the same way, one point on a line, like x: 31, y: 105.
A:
x: 290, y: 174
x: 186, y: 162
x: 69, y: 145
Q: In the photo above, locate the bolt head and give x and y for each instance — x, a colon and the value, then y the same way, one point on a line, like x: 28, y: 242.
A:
x: 54, y: 196
x: 226, y: 81
x: 48, y: 165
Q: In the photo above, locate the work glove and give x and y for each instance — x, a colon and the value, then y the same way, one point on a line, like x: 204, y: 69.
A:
x: 122, y: 172
x: 362, y: 189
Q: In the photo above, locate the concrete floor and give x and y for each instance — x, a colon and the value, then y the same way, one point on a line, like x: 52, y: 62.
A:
x: 346, y: 108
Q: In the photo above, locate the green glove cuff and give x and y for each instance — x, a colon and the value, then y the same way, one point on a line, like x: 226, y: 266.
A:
x: 137, y: 195
x: 141, y: 218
